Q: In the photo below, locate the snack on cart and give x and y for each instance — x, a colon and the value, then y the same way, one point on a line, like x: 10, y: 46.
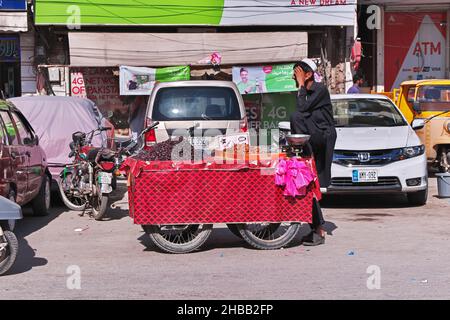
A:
x: 177, y: 203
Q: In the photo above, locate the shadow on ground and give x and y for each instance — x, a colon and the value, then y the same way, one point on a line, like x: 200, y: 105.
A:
x: 26, y: 258
x: 222, y: 237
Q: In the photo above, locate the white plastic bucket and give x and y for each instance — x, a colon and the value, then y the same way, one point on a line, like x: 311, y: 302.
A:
x: 443, y: 181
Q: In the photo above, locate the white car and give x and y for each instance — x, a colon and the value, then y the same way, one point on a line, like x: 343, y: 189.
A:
x: 376, y: 151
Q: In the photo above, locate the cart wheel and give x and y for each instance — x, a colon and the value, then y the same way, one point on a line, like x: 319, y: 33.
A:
x: 178, y: 238
x: 268, y: 236
x: 234, y: 230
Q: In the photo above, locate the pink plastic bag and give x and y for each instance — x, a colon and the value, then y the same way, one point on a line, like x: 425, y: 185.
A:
x: 295, y: 176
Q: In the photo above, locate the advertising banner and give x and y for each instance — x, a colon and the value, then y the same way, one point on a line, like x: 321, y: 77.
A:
x: 266, y: 111
x: 141, y: 80
x: 194, y: 12
x: 414, y: 47
x: 264, y: 79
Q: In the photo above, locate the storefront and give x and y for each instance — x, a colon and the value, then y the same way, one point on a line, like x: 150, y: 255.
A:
x: 241, y: 33
x: 13, y: 21
x: 412, y: 42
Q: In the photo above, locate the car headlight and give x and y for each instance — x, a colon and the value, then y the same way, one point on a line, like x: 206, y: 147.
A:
x: 447, y: 127
x: 411, y: 152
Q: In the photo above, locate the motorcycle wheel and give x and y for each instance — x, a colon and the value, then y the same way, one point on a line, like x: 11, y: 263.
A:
x: 178, y: 238
x: 99, y: 206
x: 268, y: 236
x: 9, y: 253
x: 71, y: 202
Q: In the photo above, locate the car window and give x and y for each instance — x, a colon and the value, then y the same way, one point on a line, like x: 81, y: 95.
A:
x: 3, y: 135
x: 366, y: 113
x: 13, y: 137
x: 24, y: 131
x: 196, y: 103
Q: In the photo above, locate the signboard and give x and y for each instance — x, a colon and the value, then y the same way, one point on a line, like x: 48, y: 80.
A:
x: 140, y: 80
x: 9, y: 49
x: 101, y: 86
x: 264, y: 79
x: 194, y: 12
x: 13, y: 5
x: 267, y: 110
x: 414, y: 47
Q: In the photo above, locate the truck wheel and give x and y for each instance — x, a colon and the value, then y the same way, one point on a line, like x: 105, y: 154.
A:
x: 418, y: 198
x: 9, y: 246
x: 178, y: 238
x: 41, y: 203
x: 268, y: 236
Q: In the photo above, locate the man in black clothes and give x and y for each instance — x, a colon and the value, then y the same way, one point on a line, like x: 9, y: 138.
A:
x: 314, y: 116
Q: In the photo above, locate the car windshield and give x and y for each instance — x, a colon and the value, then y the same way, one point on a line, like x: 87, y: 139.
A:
x: 196, y: 103
x: 434, y: 98
x: 366, y: 113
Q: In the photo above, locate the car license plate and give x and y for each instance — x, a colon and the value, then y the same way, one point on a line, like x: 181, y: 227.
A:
x: 365, y: 176
x: 199, y: 142
x: 104, y: 178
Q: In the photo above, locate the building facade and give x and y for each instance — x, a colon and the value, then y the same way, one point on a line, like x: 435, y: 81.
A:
x: 404, y: 40
x: 80, y: 46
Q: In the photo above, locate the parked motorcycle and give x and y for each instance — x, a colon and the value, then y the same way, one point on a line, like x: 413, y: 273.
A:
x: 88, y: 181
x: 9, y: 246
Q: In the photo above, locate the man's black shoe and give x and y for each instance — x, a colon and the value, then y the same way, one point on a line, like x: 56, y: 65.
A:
x: 313, y: 239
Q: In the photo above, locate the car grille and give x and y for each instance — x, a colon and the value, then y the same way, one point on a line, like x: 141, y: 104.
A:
x: 382, y: 182
x: 376, y: 158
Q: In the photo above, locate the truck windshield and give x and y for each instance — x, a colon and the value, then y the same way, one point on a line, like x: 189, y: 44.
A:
x: 196, y: 103
x: 434, y: 98
x: 355, y: 113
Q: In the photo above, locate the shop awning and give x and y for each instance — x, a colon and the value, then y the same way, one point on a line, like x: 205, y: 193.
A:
x: 170, y: 49
x: 13, y: 21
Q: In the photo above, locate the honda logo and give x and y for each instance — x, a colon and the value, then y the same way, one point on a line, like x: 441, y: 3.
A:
x: 364, y: 157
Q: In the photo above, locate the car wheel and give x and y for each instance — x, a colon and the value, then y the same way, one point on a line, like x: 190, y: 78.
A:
x: 418, y: 198
x: 41, y: 204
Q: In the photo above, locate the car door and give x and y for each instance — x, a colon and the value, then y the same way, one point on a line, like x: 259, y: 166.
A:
x: 5, y: 165
x: 35, y: 169
x: 19, y: 161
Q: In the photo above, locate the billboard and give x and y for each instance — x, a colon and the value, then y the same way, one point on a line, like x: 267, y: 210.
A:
x: 264, y: 79
x: 414, y: 47
x: 194, y: 12
x: 141, y: 80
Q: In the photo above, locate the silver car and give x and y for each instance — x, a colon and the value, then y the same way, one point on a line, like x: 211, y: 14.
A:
x: 201, y: 110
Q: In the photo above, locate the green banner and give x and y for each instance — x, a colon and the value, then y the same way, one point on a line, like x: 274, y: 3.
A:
x: 129, y: 12
x: 264, y: 79
x: 267, y: 110
x: 141, y: 80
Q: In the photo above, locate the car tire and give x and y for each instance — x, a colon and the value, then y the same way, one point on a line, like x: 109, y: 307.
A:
x: 418, y: 198
x: 41, y: 203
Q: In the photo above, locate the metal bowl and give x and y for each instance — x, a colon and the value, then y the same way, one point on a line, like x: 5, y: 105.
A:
x: 297, y: 139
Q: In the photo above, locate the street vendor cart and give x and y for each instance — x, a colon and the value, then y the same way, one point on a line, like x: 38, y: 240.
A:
x: 262, y: 199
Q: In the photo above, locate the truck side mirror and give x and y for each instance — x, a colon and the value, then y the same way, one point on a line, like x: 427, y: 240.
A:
x: 416, y: 107
x: 418, y: 124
